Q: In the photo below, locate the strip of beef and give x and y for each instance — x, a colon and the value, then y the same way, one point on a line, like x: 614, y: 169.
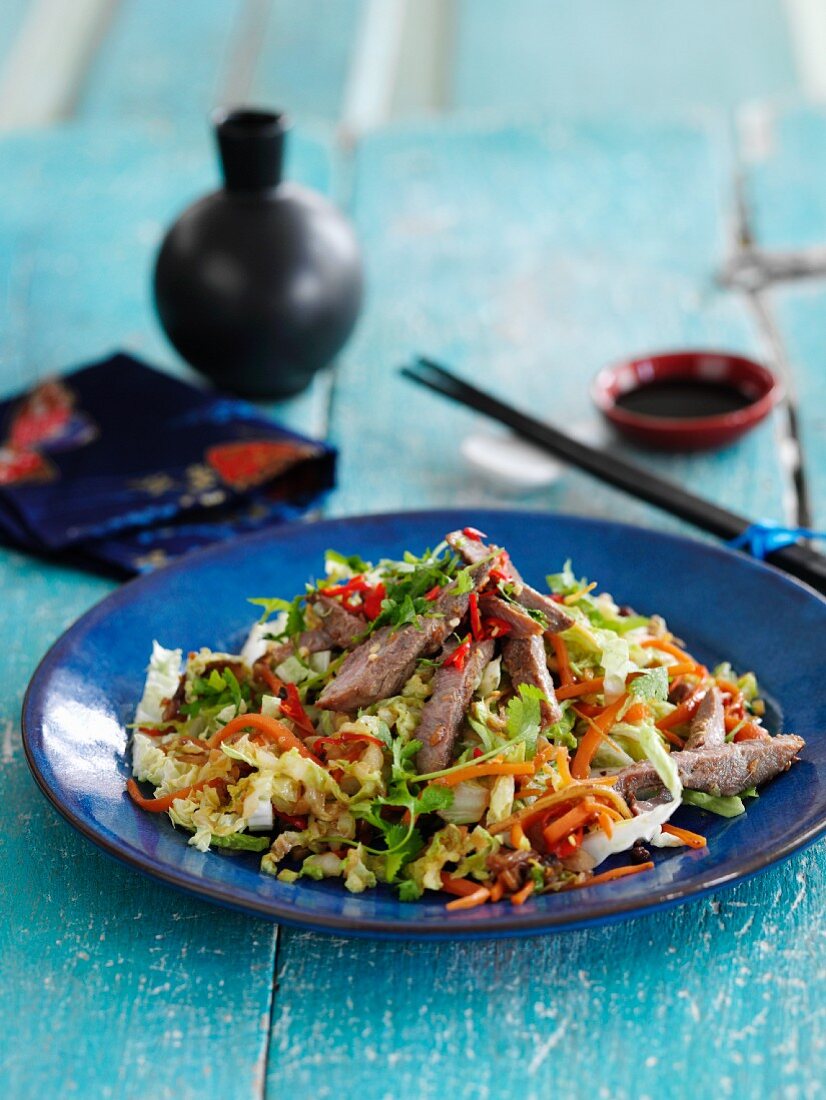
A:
x: 557, y: 618
x: 522, y: 625
x: 708, y: 726
x: 380, y: 665
x: 444, y: 711
x: 340, y: 625
x: 526, y: 663
x: 722, y: 770
x: 310, y: 641
x: 472, y: 550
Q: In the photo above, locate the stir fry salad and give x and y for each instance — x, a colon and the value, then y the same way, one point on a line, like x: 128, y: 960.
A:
x: 437, y: 723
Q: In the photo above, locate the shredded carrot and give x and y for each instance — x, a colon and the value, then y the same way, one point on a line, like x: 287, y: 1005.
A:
x: 543, y: 755
x: 605, y: 823
x: 496, y: 891
x: 469, y: 901
x: 681, y: 670
x: 562, y: 765
x: 668, y: 647
x: 158, y: 805
x: 730, y: 687
x: 562, y: 662
x: 462, y: 887
x: 517, y: 835
x: 693, y: 840
x: 675, y: 651
x: 529, y: 814
x: 684, y: 711
x: 522, y: 895
x: 490, y: 767
x: 584, y: 687
x: 749, y: 732
x: 619, y: 872
x: 274, y: 730
x: 635, y: 713
x: 559, y: 829
x: 589, y: 743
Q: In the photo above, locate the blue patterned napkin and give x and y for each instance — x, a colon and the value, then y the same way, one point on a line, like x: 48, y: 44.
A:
x: 122, y: 467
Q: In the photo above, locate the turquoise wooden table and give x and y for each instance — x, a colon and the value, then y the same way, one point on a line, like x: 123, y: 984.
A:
x: 528, y: 255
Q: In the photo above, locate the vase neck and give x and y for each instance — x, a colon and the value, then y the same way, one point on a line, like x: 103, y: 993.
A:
x: 251, y: 148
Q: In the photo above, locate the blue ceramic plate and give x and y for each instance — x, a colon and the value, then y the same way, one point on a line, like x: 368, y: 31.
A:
x: 722, y: 604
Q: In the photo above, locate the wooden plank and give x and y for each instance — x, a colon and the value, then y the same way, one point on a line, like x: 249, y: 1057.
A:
x: 786, y: 191
x: 529, y: 258
x: 162, y: 65
x: 719, y: 991
x: 41, y: 73
x: 641, y: 56
x: 305, y: 57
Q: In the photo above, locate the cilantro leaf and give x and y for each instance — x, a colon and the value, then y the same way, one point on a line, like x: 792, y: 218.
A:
x: 464, y: 581
x: 410, y: 890
x: 270, y: 604
x: 402, y: 757
x: 218, y: 690
x: 295, y: 623
x: 433, y: 798
x: 524, y: 715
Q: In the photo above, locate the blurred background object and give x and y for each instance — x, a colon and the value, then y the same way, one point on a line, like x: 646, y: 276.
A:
x: 360, y: 63
x: 259, y: 283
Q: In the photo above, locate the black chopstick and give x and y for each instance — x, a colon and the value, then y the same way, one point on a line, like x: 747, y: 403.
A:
x: 801, y: 561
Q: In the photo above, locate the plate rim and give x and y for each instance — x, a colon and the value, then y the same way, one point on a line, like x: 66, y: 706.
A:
x: 517, y: 923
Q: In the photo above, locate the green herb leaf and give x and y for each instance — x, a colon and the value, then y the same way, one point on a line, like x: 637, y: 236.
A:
x: 270, y: 605
x: 464, y: 581
x: 525, y: 716
x: 410, y: 890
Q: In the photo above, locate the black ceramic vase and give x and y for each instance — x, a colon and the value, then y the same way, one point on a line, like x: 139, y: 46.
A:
x: 258, y: 285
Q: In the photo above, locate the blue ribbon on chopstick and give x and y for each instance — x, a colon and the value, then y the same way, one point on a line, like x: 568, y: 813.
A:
x: 762, y: 539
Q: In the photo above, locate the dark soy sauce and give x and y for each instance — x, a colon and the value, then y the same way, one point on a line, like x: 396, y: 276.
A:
x: 683, y: 399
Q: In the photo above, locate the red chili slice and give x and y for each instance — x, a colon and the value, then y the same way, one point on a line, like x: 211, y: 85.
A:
x: 475, y: 617
x: 473, y: 534
x: 568, y: 845
x: 459, y: 655
x: 293, y: 708
x: 299, y: 823
x: 373, y: 600
x: 434, y: 593
x: 496, y: 628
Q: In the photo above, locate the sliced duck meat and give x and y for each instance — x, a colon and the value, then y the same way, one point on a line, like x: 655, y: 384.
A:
x: 520, y: 622
x: 341, y: 627
x: 444, y: 711
x: 525, y: 663
x: 380, y: 665
x: 708, y: 726
x: 721, y: 770
x: 473, y: 550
